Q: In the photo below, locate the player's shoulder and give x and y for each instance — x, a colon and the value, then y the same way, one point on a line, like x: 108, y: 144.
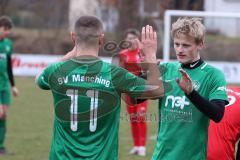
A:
x: 53, y: 66
x: 170, y: 64
x: 117, y: 71
x: 106, y: 66
x: 8, y: 45
x: 211, y: 69
x: 124, y: 51
x: 169, y: 69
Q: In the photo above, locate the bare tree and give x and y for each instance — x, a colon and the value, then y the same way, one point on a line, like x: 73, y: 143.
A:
x: 129, y: 15
x: 52, y: 15
x: 180, y: 5
x: 3, y: 6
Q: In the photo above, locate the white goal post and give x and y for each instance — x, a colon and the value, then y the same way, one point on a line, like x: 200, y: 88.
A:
x: 167, y: 24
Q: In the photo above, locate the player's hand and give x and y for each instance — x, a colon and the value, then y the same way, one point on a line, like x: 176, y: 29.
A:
x: 185, y: 83
x: 149, y: 44
x: 15, y: 91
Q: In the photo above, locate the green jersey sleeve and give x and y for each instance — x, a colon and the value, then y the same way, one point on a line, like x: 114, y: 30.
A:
x: 164, y: 69
x: 127, y: 82
x: 218, y: 86
x: 9, y: 46
x: 43, y: 79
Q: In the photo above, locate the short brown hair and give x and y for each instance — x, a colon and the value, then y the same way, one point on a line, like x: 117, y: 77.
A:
x: 6, y: 22
x: 189, y: 26
x: 132, y: 31
x: 87, y: 29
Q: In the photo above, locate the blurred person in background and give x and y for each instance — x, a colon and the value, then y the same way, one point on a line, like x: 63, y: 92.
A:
x: 223, y: 136
x: 130, y: 59
x: 7, y: 85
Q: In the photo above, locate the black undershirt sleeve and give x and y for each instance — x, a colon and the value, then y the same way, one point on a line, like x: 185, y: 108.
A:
x: 213, y: 109
x: 9, y: 70
x: 238, y: 151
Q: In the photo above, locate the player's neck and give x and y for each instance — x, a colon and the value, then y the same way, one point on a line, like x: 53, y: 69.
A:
x: 193, y: 65
x: 86, y: 51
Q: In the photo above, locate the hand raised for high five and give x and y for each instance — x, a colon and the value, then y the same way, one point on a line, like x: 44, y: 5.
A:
x: 185, y: 83
x: 149, y: 44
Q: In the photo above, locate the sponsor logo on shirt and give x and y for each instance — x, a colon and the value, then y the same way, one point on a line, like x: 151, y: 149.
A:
x: 83, y: 78
x: 194, y: 64
x: 176, y: 102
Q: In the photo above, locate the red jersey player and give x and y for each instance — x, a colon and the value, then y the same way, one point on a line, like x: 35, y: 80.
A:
x: 129, y: 59
x: 223, y: 136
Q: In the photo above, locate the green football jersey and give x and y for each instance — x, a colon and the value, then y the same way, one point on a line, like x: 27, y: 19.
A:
x: 5, y: 50
x: 87, y: 97
x: 183, y: 129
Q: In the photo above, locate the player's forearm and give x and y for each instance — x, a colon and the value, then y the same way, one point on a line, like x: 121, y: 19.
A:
x: 213, y: 109
x: 154, y: 86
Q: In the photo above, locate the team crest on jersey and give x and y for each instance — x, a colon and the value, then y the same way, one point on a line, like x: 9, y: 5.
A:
x: 196, y: 85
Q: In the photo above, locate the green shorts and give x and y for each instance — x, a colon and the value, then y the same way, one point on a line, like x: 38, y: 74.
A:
x: 5, y: 97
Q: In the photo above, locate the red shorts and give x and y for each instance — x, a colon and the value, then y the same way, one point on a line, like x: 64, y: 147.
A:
x: 136, y: 108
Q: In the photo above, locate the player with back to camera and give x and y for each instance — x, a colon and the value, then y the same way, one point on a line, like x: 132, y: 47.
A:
x: 87, y: 93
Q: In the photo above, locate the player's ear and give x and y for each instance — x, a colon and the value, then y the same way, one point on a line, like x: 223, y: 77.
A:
x: 100, y: 39
x: 73, y: 37
x: 200, y: 45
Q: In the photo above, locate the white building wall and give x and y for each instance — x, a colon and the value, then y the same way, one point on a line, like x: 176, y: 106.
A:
x: 79, y: 8
x: 227, y: 26
x: 107, y: 14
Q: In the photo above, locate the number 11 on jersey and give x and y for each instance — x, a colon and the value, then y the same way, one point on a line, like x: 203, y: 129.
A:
x: 73, y: 94
x: 74, y: 108
x: 93, y: 109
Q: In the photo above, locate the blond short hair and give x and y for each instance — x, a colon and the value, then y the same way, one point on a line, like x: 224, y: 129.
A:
x: 191, y: 26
